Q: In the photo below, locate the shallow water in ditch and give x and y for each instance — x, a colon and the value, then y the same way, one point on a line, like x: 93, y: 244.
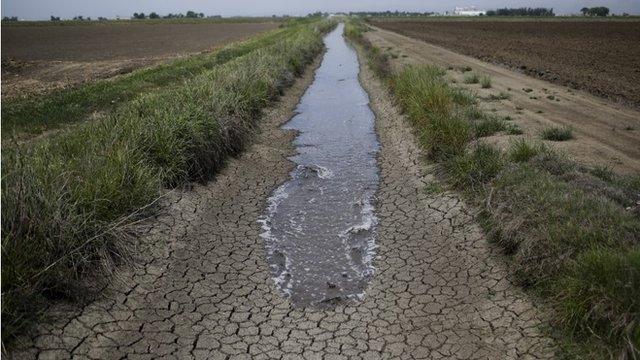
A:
x: 320, y: 225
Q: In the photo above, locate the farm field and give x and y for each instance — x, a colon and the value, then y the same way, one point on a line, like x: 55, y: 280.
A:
x: 37, y: 58
x: 601, y: 57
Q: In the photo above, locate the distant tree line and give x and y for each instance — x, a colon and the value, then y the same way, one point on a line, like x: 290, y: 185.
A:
x: 390, y: 13
x: 12, y: 18
x: 153, y: 15
x: 595, y: 11
x: 315, y: 14
x: 525, y: 11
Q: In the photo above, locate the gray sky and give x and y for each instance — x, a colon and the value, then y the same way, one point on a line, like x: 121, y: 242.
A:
x: 42, y: 9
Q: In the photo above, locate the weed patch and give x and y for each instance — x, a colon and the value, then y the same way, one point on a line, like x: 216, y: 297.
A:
x: 557, y: 134
x: 489, y: 126
x: 485, y: 82
x: 471, y: 78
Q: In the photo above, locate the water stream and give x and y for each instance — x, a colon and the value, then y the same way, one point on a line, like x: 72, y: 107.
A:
x: 320, y: 226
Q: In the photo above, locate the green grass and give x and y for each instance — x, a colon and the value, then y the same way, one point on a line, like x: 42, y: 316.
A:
x: 471, y: 170
x: 66, y: 197
x: 434, y: 187
x: 29, y: 116
x: 521, y: 150
x: 471, y: 78
x: 429, y: 102
x: 566, y: 229
x: 488, y: 126
x: 485, y: 82
x: 557, y: 133
x: 513, y: 129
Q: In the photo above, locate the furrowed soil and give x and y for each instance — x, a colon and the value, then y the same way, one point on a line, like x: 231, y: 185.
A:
x: 204, y: 288
x: 606, y: 133
x: 36, y: 59
x: 601, y: 57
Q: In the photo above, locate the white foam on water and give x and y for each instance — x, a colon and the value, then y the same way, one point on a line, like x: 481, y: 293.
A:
x: 320, y: 171
x: 282, y: 279
x: 369, y: 223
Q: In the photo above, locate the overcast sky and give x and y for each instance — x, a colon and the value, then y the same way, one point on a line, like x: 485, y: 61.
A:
x: 42, y: 9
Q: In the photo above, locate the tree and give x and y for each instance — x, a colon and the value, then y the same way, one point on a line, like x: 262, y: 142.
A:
x: 139, y: 16
x: 595, y: 11
x: 521, y: 12
x: 191, y: 14
x: 13, y: 18
x: 599, y: 11
x: 55, y: 18
x: 153, y: 15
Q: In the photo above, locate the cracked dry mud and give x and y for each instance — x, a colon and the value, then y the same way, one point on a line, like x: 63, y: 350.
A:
x: 203, y: 288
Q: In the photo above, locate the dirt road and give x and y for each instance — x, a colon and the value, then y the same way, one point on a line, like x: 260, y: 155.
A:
x: 605, y: 133
x: 204, y: 288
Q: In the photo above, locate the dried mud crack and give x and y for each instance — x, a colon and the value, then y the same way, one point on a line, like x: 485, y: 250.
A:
x: 203, y: 289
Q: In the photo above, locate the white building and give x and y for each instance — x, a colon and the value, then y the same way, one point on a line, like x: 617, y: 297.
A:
x: 468, y: 11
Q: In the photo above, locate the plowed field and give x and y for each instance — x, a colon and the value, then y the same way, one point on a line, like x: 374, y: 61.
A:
x: 601, y: 57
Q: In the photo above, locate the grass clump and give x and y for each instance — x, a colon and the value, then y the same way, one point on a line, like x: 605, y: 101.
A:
x: 521, y: 150
x: 557, y: 133
x: 434, y: 187
x: 485, y: 82
x: 514, y: 129
x: 489, y: 126
x: 471, y: 78
x: 500, y: 96
x: 603, y: 288
x: 430, y: 104
x: 378, y: 60
x: 472, y: 170
x: 67, y: 197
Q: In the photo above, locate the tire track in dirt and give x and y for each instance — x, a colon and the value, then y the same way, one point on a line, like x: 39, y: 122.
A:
x: 203, y: 289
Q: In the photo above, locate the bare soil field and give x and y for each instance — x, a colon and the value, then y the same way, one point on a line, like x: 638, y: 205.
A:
x: 38, y: 58
x: 606, y: 133
x: 600, y: 57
